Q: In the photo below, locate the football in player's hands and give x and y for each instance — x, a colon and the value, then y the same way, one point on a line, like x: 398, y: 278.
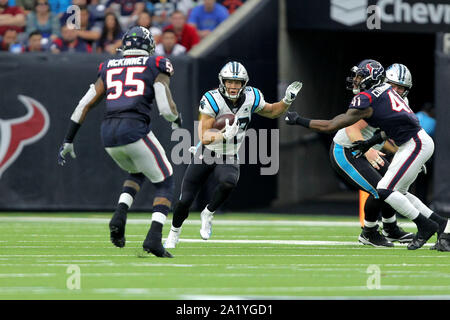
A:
x: 220, y: 122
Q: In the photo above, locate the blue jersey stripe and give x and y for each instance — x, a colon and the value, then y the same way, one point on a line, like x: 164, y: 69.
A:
x: 257, y: 99
x: 212, y: 102
x: 347, y: 167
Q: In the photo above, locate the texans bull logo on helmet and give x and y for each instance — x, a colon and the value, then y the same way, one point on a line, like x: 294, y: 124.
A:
x: 375, y: 70
x: 19, y: 132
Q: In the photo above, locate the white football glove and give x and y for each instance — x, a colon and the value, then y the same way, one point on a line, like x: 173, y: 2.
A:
x: 65, y: 149
x: 231, y: 131
x: 292, y: 92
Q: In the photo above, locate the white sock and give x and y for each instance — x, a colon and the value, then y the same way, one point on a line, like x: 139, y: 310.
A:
x: 159, y: 217
x: 172, y: 228
x: 402, y: 205
x: 126, y: 198
x: 370, y: 224
x: 389, y: 220
x: 423, y: 209
x: 207, y: 210
x: 447, y: 227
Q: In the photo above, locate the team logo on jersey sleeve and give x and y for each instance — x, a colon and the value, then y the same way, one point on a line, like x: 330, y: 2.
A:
x: 19, y: 132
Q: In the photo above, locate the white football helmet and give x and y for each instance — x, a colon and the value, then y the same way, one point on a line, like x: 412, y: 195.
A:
x: 232, y: 71
x: 400, y: 75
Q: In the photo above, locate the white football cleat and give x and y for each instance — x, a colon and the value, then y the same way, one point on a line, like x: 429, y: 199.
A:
x: 206, y: 229
x: 172, y: 238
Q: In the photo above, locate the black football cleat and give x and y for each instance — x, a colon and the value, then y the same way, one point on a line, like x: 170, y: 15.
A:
x: 371, y: 236
x: 424, y: 233
x: 117, y: 230
x: 152, y: 244
x: 443, y: 243
x: 397, y: 234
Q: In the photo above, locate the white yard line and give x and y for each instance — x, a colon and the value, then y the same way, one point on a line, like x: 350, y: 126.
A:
x: 217, y: 221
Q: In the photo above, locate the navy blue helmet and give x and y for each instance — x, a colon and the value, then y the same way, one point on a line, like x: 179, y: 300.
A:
x: 138, y: 41
x: 371, y: 72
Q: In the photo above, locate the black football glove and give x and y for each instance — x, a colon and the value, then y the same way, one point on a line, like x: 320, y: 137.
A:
x: 361, y: 147
x: 291, y: 117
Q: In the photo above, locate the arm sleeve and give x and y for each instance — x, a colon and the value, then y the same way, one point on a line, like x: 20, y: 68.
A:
x: 206, y: 107
x: 259, y: 102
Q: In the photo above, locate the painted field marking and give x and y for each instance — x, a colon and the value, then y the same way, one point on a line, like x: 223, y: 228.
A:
x: 289, y: 223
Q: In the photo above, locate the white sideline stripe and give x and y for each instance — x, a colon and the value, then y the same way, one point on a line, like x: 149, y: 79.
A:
x: 292, y: 242
x: 217, y: 221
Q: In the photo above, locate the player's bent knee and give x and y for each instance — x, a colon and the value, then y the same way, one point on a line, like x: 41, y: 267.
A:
x: 384, y: 193
x: 165, y: 189
x: 227, y: 185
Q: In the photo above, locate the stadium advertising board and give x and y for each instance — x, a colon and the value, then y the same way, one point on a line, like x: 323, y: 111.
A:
x: 424, y: 16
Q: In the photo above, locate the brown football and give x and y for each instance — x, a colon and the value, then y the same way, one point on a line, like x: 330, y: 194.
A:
x: 219, y: 124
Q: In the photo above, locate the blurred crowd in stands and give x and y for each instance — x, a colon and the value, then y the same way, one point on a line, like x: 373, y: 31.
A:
x: 98, y: 25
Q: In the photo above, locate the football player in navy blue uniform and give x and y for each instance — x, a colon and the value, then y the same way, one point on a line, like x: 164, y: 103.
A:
x: 382, y: 107
x: 130, y: 84
x: 366, y: 171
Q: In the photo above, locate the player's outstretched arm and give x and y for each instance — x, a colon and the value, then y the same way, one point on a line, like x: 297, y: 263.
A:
x: 92, y: 97
x: 274, y: 110
x: 166, y: 106
x: 340, y: 121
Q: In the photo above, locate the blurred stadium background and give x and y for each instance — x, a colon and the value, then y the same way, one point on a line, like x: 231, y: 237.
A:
x: 278, y: 41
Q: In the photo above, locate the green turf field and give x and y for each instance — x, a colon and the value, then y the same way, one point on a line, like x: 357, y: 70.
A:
x: 248, y: 256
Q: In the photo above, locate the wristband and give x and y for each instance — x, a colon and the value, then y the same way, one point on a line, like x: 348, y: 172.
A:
x: 72, y: 131
x: 304, y: 122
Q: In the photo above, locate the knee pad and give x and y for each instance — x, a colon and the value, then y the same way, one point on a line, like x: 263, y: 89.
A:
x: 384, y: 193
x: 165, y: 189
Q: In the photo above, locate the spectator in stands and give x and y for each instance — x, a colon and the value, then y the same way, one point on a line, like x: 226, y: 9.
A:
x: 207, y: 17
x: 11, y: 17
x: 169, y: 45
x: 8, y: 40
x: 127, y: 11
x: 187, y: 35
x: 97, y: 10
x: 42, y: 20
x: 145, y: 20
x: 34, y: 42
x: 58, y: 7
x: 231, y: 5
x: 69, y: 42
x: 163, y: 9
x: 26, y: 5
x: 111, y: 37
x: 90, y: 31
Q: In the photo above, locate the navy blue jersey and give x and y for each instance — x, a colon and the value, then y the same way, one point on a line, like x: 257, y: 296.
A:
x: 129, y: 95
x: 390, y: 113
